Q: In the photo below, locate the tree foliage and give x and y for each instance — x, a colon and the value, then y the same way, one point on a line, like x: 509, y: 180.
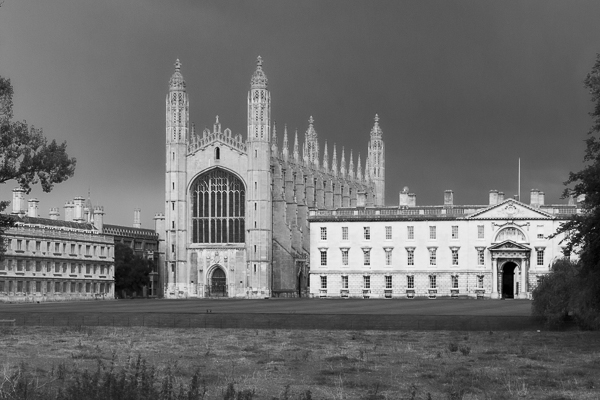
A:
x: 132, y: 272
x: 26, y: 156
x: 582, y: 231
x: 25, y: 153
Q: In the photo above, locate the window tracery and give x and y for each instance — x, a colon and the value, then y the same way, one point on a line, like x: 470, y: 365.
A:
x: 218, y: 208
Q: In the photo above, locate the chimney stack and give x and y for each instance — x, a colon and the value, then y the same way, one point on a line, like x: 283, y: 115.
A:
x: 69, y: 208
x: 18, y: 203
x: 448, y: 198
x: 99, y: 218
x: 541, y: 198
x: 412, y: 200
x: 534, y: 198
x: 137, y: 219
x: 78, y: 204
x: 32, y: 208
x: 493, y: 197
x: 403, y: 200
x: 500, y: 197
x: 54, y: 213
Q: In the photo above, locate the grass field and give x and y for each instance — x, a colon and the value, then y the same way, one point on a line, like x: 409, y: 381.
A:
x: 300, y: 306
x: 286, y: 364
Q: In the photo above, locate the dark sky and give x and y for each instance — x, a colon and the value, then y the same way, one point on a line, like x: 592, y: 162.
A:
x: 463, y: 88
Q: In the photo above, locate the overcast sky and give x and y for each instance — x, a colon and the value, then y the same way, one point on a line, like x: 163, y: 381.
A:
x: 463, y: 88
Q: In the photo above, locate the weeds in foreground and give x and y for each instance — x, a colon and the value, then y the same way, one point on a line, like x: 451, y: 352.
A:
x: 136, y: 381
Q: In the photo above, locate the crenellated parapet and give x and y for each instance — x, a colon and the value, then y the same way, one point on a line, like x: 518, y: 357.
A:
x: 207, y: 138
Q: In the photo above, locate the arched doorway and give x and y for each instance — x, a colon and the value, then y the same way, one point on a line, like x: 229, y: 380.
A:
x: 508, y: 280
x: 217, y: 286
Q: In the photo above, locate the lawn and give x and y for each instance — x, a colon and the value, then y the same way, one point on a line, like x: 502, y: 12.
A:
x: 305, y: 364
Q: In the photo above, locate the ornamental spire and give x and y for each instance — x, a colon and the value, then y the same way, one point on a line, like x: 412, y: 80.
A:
x: 376, y: 130
x: 343, y: 164
x: 176, y: 82
x: 259, y: 79
x: 351, y: 166
x: 334, y: 163
x: 274, y: 150
x: 285, y: 151
x: 359, y: 174
x: 311, y: 144
x: 326, y: 158
x: 296, y: 152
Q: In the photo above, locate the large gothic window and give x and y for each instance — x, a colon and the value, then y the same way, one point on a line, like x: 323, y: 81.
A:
x: 218, y: 208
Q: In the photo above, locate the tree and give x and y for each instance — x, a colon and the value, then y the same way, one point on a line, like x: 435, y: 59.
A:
x: 582, y: 231
x: 132, y: 272
x: 26, y: 156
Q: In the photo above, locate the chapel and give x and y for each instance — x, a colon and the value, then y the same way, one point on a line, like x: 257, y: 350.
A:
x: 236, y: 205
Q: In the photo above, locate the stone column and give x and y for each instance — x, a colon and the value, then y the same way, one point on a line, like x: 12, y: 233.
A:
x: 495, y: 278
x: 500, y: 285
x: 524, y: 273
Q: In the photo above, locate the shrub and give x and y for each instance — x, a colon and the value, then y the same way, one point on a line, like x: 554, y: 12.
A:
x: 452, y: 347
x: 553, y: 296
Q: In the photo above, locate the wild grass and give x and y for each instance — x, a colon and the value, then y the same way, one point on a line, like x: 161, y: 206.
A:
x: 148, y: 363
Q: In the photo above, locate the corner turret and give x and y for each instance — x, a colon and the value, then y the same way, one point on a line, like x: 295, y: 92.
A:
x: 376, y: 163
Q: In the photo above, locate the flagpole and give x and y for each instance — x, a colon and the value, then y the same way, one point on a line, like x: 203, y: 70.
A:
x: 519, y: 181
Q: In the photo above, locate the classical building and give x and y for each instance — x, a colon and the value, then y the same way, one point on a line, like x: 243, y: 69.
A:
x: 236, y: 207
x: 48, y: 259
x: 499, y: 250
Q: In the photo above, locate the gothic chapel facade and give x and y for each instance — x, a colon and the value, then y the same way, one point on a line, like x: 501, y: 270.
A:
x: 236, y: 208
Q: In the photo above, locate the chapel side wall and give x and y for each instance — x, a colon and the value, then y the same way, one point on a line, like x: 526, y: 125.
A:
x: 288, y: 240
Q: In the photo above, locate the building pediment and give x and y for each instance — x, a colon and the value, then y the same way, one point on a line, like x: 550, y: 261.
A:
x: 508, y: 245
x: 510, y: 209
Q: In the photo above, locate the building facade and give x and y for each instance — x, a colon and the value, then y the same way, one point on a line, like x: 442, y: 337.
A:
x: 48, y: 259
x: 500, y: 250
x: 236, y: 207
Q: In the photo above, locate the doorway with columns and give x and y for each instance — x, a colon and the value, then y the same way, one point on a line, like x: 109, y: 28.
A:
x: 509, y: 278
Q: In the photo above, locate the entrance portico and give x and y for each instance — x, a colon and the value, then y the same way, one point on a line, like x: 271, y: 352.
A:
x: 510, y: 267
